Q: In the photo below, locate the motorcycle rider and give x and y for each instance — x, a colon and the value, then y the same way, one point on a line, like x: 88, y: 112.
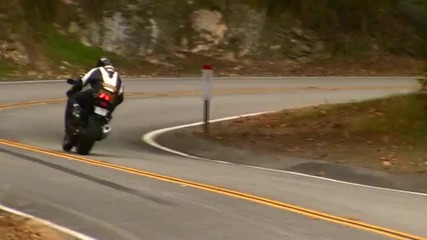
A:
x: 104, y: 74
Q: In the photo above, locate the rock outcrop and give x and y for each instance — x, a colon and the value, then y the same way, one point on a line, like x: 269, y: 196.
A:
x: 152, y: 29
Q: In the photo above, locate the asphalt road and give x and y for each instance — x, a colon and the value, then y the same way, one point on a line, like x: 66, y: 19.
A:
x: 106, y: 203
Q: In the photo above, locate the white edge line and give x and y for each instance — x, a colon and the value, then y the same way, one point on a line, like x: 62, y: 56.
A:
x: 150, y: 139
x: 48, y: 224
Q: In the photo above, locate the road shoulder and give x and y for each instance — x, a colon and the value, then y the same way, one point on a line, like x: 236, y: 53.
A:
x: 14, y: 227
x: 184, y: 140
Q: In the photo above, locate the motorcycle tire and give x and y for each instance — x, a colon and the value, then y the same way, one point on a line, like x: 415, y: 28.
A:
x: 88, y: 138
x: 68, y: 143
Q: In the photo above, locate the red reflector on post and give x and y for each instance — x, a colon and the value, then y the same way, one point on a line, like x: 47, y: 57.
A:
x: 207, y: 67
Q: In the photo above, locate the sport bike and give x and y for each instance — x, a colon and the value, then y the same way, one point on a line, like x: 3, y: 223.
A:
x: 91, y: 125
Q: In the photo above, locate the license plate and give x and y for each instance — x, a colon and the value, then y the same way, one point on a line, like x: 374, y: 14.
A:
x: 101, y: 111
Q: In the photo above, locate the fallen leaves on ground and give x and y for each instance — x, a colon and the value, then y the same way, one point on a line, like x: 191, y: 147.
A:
x: 13, y: 227
x: 386, y: 134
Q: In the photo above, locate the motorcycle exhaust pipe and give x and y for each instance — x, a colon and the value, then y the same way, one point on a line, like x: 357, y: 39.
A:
x: 106, y: 129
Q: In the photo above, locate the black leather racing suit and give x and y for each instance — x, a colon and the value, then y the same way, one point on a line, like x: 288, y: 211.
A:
x: 94, y: 79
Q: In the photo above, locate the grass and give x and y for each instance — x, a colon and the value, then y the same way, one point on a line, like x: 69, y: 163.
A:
x: 5, y: 69
x: 401, y: 115
x: 61, y: 48
x: 387, y: 133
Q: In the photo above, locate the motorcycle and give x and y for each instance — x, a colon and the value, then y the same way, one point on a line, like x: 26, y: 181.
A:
x: 91, y: 125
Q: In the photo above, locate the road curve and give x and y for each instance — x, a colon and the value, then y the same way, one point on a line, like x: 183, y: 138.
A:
x: 101, y: 198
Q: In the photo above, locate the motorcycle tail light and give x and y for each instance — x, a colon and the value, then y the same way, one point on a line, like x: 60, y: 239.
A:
x: 105, y: 97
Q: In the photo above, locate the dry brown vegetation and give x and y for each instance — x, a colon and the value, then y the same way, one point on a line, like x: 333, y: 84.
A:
x: 388, y: 133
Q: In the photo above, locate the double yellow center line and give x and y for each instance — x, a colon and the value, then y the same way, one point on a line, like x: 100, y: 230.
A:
x: 223, y: 191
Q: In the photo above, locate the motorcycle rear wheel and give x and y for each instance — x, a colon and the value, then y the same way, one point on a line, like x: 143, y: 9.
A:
x: 68, y: 143
x: 88, y: 137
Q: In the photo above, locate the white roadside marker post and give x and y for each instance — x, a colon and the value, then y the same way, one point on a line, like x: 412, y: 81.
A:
x: 207, y: 75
